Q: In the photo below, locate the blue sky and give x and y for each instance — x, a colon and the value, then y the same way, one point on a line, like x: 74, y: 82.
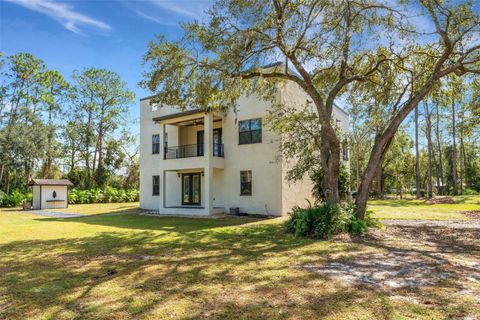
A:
x: 113, y: 34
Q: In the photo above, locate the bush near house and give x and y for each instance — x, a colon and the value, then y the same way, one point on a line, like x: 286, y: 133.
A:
x: 325, y: 220
x: 107, y: 195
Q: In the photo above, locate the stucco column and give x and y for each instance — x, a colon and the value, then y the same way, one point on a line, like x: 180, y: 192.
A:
x: 162, y: 140
x: 161, y: 173
x: 208, y: 169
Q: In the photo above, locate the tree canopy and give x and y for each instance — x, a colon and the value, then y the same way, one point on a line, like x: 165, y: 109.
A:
x: 329, y: 48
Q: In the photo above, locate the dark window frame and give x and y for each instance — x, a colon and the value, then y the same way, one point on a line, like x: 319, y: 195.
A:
x: 155, y: 187
x: 246, y: 187
x: 191, y: 189
x: 250, y: 132
x: 155, y: 144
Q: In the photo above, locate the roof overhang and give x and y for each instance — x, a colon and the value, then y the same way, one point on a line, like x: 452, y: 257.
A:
x: 177, y: 115
x: 50, y: 182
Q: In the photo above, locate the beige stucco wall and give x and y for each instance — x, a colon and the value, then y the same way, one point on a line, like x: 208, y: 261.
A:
x: 299, y: 193
x: 272, y: 193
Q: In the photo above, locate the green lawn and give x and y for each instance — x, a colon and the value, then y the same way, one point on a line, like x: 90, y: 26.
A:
x: 419, y: 210
x: 133, y: 266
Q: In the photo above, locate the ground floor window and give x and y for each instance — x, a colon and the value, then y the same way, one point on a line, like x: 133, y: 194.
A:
x: 156, y: 185
x: 246, y: 183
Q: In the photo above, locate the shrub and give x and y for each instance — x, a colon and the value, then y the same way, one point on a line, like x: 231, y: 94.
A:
x: 76, y: 196
x: 325, y: 220
x: 15, y: 199
x: 470, y: 192
x: 107, y: 195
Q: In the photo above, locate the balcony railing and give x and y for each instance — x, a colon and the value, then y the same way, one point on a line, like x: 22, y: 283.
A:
x: 191, y: 150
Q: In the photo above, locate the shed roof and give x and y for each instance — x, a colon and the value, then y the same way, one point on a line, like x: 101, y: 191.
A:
x: 50, y: 182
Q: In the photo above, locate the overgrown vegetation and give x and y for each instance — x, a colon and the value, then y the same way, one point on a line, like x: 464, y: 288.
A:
x: 325, y: 220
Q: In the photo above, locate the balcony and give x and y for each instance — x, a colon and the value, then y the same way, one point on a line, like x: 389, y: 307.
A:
x: 191, y: 150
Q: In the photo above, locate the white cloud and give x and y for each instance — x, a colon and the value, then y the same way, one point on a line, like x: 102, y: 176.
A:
x: 154, y: 19
x: 177, y: 7
x: 63, y: 13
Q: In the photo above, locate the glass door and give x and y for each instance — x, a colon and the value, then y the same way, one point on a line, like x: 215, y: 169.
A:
x: 200, y: 143
x: 191, y: 189
x: 217, y: 142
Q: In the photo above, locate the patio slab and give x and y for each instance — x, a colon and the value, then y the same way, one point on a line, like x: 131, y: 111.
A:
x: 56, y: 214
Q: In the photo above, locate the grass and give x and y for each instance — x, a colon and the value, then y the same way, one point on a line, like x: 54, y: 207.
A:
x: 133, y: 266
x: 420, y: 210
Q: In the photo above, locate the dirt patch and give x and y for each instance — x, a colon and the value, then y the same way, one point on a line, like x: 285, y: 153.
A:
x: 409, y: 256
x: 386, y: 270
x: 474, y: 214
x: 441, y: 200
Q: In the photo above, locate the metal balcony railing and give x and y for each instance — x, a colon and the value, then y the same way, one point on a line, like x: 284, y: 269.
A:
x: 191, y: 150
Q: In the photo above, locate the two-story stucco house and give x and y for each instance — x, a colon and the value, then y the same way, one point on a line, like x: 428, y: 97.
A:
x: 204, y: 163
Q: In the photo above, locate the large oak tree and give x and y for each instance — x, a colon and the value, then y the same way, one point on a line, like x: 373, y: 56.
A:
x: 326, y: 48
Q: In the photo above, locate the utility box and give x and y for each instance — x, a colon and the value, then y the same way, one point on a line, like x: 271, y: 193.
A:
x: 49, y: 193
x: 235, y: 210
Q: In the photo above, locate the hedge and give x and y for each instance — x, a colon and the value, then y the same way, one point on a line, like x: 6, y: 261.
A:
x: 107, y: 195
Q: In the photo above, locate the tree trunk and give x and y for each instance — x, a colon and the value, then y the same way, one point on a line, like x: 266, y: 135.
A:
x: 382, y: 144
x: 379, y: 182
x: 464, y: 160
x: 454, y: 152
x: 440, y: 162
x: 72, y: 158
x: 2, y: 168
x: 7, y: 182
x: 462, y: 149
x: 430, y: 151
x: 87, y: 145
x: 357, y: 167
x: 330, y: 159
x: 50, y: 136
x: 417, y: 158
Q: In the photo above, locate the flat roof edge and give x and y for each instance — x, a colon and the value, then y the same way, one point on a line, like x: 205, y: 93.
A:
x: 178, y: 114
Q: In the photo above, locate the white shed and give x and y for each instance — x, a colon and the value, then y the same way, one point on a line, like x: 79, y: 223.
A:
x: 50, y: 193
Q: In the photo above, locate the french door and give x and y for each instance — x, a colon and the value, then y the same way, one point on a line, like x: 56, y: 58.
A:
x: 191, y: 189
x: 217, y: 142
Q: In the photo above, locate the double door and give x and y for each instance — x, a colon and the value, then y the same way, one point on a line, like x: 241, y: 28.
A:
x: 191, y: 189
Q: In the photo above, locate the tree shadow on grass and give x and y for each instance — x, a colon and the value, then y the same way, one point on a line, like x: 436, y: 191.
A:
x: 189, y: 268
x: 37, y: 275
x: 399, y: 203
x: 130, y: 220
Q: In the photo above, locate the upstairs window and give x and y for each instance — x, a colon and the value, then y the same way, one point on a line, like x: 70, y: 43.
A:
x: 250, y: 131
x: 156, y: 144
x: 156, y: 186
x: 246, y: 183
